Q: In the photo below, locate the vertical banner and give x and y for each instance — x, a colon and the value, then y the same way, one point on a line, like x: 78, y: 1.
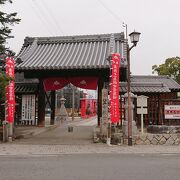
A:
x: 114, y: 88
x: 10, y: 95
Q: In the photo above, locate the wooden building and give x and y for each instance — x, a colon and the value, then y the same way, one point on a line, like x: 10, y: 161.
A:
x: 88, y: 56
x: 161, y: 91
x: 69, y: 57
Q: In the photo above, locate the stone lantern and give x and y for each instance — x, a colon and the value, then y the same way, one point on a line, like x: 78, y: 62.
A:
x: 63, y: 115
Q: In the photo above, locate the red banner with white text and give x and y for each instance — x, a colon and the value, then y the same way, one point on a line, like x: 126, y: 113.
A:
x: 10, y: 94
x: 85, y: 82
x: 54, y: 83
x: 114, y: 88
x: 81, y: 82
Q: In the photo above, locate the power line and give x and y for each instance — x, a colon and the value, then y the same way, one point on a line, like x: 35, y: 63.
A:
x: 53, y: 17
x: 111, y: 12
x: 40, y: 18
x: 124, y: 25
x: 43, y: 14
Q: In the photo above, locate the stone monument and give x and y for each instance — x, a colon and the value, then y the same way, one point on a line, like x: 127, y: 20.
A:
x: 125, y: 123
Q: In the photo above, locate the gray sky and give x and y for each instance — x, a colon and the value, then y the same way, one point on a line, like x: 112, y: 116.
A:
x: 157, y: 20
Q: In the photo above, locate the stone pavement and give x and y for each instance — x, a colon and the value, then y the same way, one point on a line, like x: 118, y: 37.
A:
x: 59, y: 141
x: 82, y: 134
x: 40, y: 150
x: 30, y: 131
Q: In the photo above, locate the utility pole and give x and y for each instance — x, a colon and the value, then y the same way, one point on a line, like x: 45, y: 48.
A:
x: 134, y: 36
x: 129, y: 100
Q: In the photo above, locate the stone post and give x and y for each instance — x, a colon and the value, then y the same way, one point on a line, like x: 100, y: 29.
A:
x: 105, y: 113
x: 125, y: 123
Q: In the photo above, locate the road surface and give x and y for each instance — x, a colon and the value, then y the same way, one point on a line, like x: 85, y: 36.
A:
x: 91, y: 167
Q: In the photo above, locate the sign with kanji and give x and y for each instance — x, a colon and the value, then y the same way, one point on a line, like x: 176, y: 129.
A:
x: 142, y: 101
x: 28, y: 108
x: 114, y: 89
x: 172, y: 111
x: 142, y: 110
x: 10, y: 95
x: 105, y: 111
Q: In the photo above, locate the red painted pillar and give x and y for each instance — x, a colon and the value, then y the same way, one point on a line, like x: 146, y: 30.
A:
x: 83, y: 108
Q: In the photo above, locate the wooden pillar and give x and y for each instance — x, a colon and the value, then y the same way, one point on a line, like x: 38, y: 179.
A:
x: 53, y: 106
x: 41, y: 104
x: 100, y: 87
x: 159, y: 110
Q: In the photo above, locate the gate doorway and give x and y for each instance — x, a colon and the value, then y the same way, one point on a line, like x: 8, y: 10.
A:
x: 69, y: 58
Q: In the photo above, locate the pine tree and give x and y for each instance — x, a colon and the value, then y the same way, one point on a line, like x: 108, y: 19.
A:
x: 6, y: 20
x: 4, y: 81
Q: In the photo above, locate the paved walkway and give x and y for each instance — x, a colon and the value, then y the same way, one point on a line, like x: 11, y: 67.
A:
x: 82, y: 134
x: 36, y: 150
x: 59, y: 141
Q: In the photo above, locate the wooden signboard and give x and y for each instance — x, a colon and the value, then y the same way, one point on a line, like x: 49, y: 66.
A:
x: 142, y: 101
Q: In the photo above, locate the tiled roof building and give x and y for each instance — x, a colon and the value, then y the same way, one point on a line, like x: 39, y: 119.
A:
x: 88, y: 55
x: 70, y: 52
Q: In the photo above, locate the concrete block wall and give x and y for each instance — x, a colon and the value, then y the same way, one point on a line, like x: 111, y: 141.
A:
x: 157, y: 139
x: 145, y: 139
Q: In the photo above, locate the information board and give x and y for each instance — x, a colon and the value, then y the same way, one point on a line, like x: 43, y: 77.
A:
x: 172, y: 111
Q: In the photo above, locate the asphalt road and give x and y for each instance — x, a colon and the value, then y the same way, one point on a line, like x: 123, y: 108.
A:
x: 91, y: 167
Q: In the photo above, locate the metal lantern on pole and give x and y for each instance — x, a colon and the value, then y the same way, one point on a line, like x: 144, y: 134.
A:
x: 134, y: 37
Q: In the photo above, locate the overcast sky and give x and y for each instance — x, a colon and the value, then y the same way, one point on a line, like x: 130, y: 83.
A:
x: 157, y: 20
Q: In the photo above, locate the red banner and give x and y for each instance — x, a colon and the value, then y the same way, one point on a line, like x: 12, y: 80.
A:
x: 114, y: 89
x: 85, y: 82
x: 10, y: 67
x: 10, y: 95
x: 81, y: 82
x: 54, y: 83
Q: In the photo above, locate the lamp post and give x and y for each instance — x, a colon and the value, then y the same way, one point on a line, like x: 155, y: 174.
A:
x: 134, y: 37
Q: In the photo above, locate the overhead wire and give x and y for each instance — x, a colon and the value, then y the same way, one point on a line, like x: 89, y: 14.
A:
x: 111, y: 12
x: 51, y: 14
x: 43, y: 22
x: 124, y: 25
x: 44, y: 15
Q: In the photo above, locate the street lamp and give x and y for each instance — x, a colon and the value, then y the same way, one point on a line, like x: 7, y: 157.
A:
x: 134, y: 37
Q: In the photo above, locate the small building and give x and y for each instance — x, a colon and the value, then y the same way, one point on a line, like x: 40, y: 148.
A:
x: 161, y: 91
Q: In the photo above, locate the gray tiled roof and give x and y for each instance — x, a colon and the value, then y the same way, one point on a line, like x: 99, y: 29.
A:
x: 167, y: 81
x: 150, y: 84
x: 70, y: 52
x: 26, y: 88
x: 145, y: 87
